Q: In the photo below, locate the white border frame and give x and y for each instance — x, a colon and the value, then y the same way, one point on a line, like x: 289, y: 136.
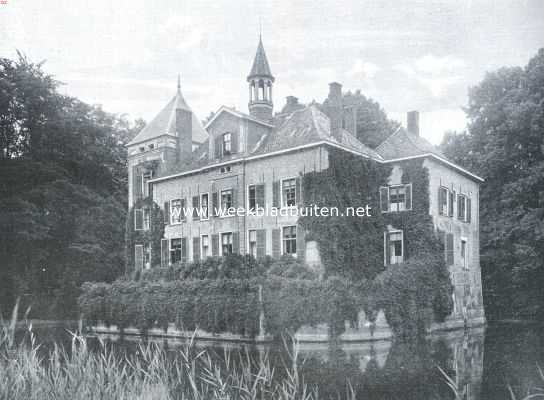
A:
x: 200, y: 205
x: 247, y: 241
x: 281, y: 192
x: 222, y: 213
x: 201, y: 247
x: 281, y: 240
x: 181, y: 211
x: 221, y: 242
x: 388, y: 232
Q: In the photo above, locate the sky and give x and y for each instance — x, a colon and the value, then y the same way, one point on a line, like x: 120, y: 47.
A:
x: 407, y: 55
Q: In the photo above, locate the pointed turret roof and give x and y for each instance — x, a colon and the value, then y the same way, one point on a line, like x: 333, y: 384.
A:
x: 165, y: 121
x: 260, y: 63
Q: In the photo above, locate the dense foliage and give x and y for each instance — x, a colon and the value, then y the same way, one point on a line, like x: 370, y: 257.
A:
x: 505, y: 145
x: 62, y: 192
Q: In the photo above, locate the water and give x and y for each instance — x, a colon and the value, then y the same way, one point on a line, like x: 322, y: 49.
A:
x: 482, y: 362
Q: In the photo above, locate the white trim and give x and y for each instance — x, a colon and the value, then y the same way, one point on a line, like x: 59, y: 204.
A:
x: 476, y: 177
x: 237, y: 114
x: 200, y: 205
x: 221, y: 242
x: 407, y: 186
x: 202, y: 247
x: 222, y: 214
x: 281, y: 240
x: 401, y: 245
x: 249, y: 212
x: 281, y: 192
x: 247, y: 241
x: 259, y: 156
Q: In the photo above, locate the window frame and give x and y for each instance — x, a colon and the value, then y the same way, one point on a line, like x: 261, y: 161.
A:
x: 231, y: 233
x: 248, y: 248
x: 146, y: 222
x: 464, y: 258
x: 207, y: 194
x: 202, y: 257
x: 225, y: 152
x: 282, y: 205
x: 224, y: 213
x: 249, y: 209
x: 387, y: 240
x: 447, y: 204
x: 282, y: 247
x: 136, y: 211
x: 170, y: 250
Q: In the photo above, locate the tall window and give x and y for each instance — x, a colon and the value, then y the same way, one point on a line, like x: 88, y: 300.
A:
x: 252, y: 243
x: 461, y: 207
x: 464, y: 253
x: 147, y: 218
x: 443, y: 201
x: 176, y: 212
x: 290, y: 240
x: 204, y: 206
x: 227, y: 143
x: 145, y: 185
x: 175, y: 250
x: 289, y: 192
x: 205, y: 246
x: 138, y: 219
x: 226, y: 200
x: 252, y: 197
x: 394, y: 247
x: 226, y: 243
x: 147, y: 256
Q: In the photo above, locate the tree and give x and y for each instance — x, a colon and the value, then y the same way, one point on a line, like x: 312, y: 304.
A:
x: 505, y: 145
x: 63, y: 188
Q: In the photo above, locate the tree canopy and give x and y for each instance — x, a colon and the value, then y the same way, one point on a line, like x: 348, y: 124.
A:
x: 63, y: 185
x: 505, y: 145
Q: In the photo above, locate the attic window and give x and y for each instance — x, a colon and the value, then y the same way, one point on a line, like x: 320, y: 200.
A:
x: 227, y: 143
x: 142, y: 149
x: 225, y: 169
x: 151, y: 146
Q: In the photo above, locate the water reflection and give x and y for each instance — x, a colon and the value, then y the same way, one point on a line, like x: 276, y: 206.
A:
x: 394, y: 370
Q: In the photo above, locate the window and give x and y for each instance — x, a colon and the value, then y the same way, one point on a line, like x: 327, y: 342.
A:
x: 289, y: 192
x: 146, y: 176
x: 226, y: 200
x: 252, y: 243
x: 252, y: 197
x: 146, y: 219
x: 396, y: 198
x: 443, y: 201
x: 461, y: 207
x: 289, y: 240
x: 464, y: 252
x: 204, y: 214
x: 175, y: 250
x: 226, y: 243
x: 394, y: 247
x: 151, y: 146
x: 147, y: 256
x: 205, y: 244
x: 227, y: 144
x: 176, y: 211
x: 138, y: 219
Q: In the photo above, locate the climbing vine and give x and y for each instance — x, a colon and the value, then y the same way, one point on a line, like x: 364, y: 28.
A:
x: 151, y: 236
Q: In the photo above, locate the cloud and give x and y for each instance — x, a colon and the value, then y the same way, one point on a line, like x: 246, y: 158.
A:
x: 437, y: 65
x: 439, y: 86
x: 366, y: 69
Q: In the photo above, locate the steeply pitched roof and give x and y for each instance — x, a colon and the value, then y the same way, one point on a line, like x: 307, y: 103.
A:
x: 165, y: 122
x: 403, y: 144
x: 260, y: 63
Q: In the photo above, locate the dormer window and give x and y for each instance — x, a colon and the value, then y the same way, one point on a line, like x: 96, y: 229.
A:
x: 227, y: 143
x: 142, y: 149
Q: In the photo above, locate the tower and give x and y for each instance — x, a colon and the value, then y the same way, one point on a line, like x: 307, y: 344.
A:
x: 260, y: 81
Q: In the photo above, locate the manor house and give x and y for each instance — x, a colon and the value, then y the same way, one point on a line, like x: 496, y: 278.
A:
x: 256, y: 159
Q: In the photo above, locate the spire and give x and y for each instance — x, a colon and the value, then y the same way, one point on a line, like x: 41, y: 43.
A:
x: 260, y: 67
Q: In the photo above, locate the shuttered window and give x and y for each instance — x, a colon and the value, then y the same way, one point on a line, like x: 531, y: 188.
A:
x: 175, y: 250
x: 205, y: 246
x: 443, y: 197
x: 289, y: 193
x: 226, y: 243
x: 396, y: 198
x: 204, y: 203
x: 289, y: 240
x: 138, y: 219
x: 164, y: 253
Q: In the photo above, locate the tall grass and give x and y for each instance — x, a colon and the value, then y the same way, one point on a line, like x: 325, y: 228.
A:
x: 78, y: 372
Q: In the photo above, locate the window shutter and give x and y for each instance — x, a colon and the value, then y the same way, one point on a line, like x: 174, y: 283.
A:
x: 139, y: 257
x: 196, y: 205
x: 452, y: 199
x: 449, y: 249
x: 217, y: 146
x: 136, y: 184
x: 236, y: 242
x: 468, y: 210
x: 215, y: 204
x: 408, y: 189
x: 166, y: 212
x: 259, y: 195
x: 138, y: 219
x: 183, y: 250
x: 276, y: 243
x: 276, y: 194
x: 196, y: 248
x: 298, y: 191
x: 261, y: 243
x: 440, y: 204
x: 386, y: 249
x: 215, y: 245
x: 183, y: 210
x: 234, y: 143
x: 384, y: 199
x: 301, y: 243
x: 234, y: 198
x: 164, y: 253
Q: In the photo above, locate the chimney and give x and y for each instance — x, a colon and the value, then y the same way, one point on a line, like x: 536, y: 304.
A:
x: 335, y: 109
x: 412, y: 122
x: 291, y: 101
x: 184, y: 131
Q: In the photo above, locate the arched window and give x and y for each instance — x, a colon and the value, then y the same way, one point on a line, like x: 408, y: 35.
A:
x: 269, y: 90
